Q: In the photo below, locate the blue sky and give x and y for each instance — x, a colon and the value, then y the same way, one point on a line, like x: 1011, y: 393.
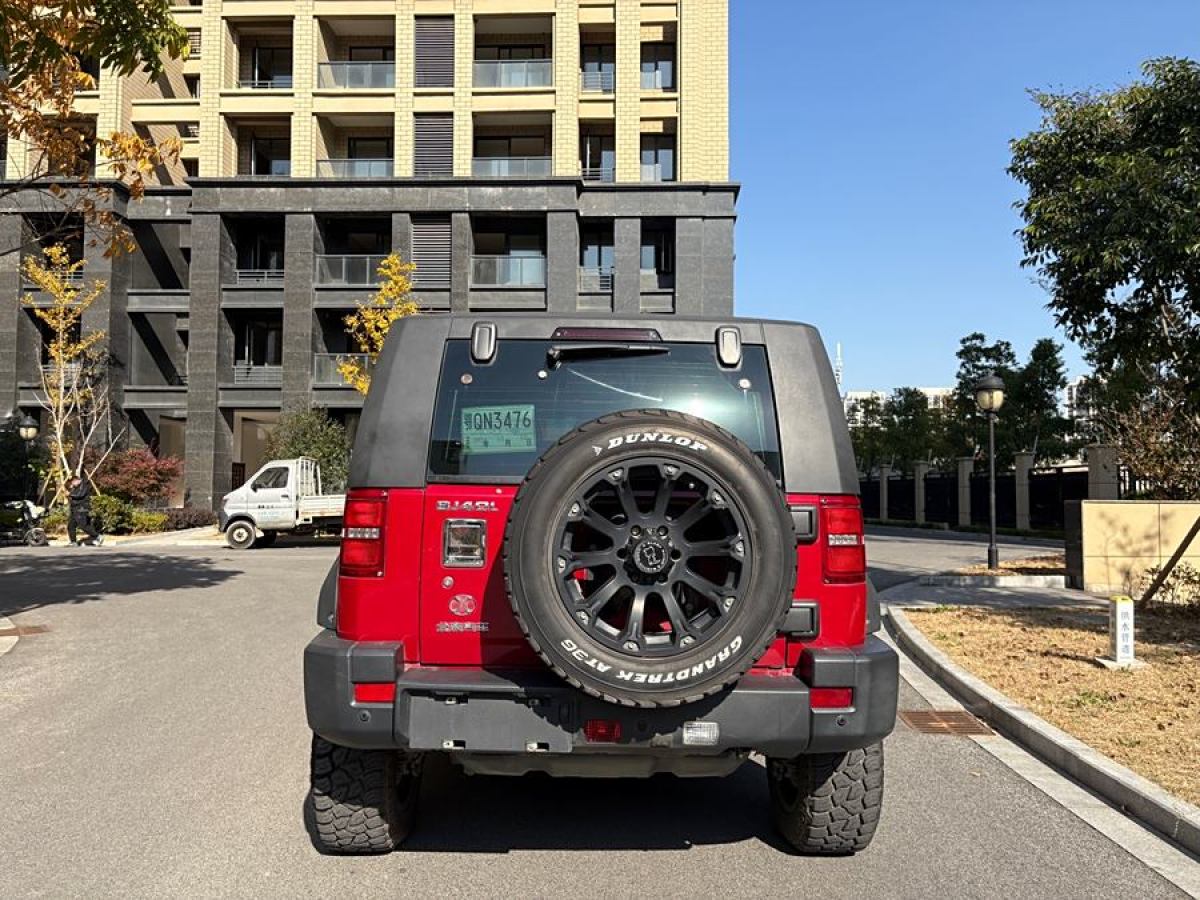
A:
x: 871, y: 141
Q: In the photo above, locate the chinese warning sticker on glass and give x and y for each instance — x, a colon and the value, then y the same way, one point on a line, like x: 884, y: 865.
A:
x: 498, y: 429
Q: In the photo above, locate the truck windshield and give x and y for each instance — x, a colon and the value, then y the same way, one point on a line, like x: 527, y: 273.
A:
x: 494, y: 420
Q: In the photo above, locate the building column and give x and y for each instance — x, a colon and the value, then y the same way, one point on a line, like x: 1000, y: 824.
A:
x: 1023, y: 463
x: 717, y: 297
x: 920, y: 470
x: 209, y: 440
x: 298, y: 315
x: 562, y: 262
x: 885, y: 473
x: 1104, y: 473
x: 689, y: 265
x: 627, y: 266
x: 461, y: 245
x: 11, y: 313
x: 402, y: 236
x: 966, y: 465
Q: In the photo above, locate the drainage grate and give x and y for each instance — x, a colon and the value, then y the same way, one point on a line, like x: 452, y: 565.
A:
x: 23, y: 630
x: 944, y: 722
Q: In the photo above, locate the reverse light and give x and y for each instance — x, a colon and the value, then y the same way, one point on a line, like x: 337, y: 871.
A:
x: 362, y: 534
x: 845, y: 550
x: 701, y: 734
x: 464, y: 543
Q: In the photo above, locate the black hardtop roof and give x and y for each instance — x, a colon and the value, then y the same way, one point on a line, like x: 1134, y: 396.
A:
x: 516, y: 325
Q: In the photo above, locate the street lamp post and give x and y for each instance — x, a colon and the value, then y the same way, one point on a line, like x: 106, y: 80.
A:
x: 989, y: 397
x: 26, y: 428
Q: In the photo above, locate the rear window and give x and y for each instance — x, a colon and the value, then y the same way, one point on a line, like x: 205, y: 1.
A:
x: 493, y: 421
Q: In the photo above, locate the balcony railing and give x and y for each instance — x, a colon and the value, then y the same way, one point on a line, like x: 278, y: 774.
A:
x: 598, y: 173
x: 508, y: 271
x: 596, y: 279
x: 325, y: 367
x: 254, y: 375
x: 653, y: 280
x: 510, y: 166
x: 352, y: 75
x: 514, y: 73
x: 263, y: 277
x: 597, y: 82
x: 70, y: 373
x: 356, y: 270
x: 272, y: 83
x: 72, y: 278
x: 355, y: 168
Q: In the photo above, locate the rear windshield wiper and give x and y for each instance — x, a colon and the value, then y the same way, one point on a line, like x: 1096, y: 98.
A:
x: 560, y: 353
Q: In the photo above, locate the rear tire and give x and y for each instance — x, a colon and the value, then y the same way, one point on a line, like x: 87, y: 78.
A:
x: 36, y: 537
x: 361, y: 801
x: 828, y: 804
x: 240, y: 535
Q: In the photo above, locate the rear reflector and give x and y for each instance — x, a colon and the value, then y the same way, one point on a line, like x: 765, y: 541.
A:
x: 845, y: 551
x: 602, y: 731
x: 362, y: 534
x: 831, y: 698
x: 375, y: 693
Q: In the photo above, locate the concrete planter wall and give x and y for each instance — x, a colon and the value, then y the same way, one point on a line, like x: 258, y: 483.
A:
x: 1111, y: 543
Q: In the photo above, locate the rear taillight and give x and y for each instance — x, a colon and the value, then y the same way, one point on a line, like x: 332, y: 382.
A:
x: 844, y: 547
x: 362, y: 534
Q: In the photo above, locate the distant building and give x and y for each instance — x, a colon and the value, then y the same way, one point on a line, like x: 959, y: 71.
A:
x: 1079, y: 402
x: 938, y: 398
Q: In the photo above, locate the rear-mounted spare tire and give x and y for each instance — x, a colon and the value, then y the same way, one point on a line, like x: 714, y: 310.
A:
x: 650, y: 558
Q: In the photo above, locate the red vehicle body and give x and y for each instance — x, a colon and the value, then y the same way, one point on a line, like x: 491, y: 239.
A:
x: 595, y: 584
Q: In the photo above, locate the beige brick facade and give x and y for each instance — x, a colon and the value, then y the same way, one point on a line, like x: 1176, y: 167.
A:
x: 695, y: 108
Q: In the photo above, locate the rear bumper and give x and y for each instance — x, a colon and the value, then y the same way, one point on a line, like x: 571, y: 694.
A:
x: 532, y: 711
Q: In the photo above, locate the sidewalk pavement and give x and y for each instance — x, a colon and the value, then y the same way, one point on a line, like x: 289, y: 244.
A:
x: 914, y: 595
x: 203, y: 536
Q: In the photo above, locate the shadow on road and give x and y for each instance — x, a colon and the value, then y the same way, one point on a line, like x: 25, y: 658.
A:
x: 482, y: 814
x: 35, y: 580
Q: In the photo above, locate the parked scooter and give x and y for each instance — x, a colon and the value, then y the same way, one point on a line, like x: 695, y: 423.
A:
x: 21, y: 521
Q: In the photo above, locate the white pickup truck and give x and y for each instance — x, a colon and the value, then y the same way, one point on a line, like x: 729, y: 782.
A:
x: 283, y: 495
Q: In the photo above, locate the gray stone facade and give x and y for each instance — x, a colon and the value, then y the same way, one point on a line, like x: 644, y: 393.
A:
x: 190, y: 330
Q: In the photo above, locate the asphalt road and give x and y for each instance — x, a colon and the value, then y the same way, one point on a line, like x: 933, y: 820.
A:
x: 153, y: 743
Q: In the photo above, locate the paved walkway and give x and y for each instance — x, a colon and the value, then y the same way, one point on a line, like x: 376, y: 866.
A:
x: 914, y: 595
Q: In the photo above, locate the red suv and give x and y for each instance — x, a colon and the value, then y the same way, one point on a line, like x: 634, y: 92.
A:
x: 600, y: 547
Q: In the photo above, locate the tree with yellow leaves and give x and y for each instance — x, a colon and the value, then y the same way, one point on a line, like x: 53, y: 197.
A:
x: 75, y: 386
x: 369, y: 324
x: 55, y: 156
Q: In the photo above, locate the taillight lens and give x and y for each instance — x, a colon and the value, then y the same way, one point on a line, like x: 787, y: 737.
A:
x: 845, y: 548
x: 362, y: 534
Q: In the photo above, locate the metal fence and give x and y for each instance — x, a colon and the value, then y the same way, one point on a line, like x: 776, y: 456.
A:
x: 869, y: 496
x: 508, y: 271
x: 348, y: 270
x: 941, y: 498
x: 355, y: 168
x: 1049, y: 491
x: 325, y: 367
x: 1006, y: 499
x: 510, y: 166
x: 902, y: 500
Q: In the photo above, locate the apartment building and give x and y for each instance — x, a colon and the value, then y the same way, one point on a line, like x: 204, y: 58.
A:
x: 560, y: 155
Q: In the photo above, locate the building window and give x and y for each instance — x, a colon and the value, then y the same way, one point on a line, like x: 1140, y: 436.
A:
x: 658, y: 67
x: 658, y: 249
x: 271, y: 66
x: 270, y: 156
x: 658, y: 157
x: 193, y: 37
x: 369, y: 148
x: 433, y: 51
x: 371, y: 54
x: 598, y: 64
x: 597, y: 156
x: 192, y: 82
x: 191, y: 168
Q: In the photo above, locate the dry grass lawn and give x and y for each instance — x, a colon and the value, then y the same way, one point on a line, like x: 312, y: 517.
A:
x: 1052, y: 564
x: 1147, y: 719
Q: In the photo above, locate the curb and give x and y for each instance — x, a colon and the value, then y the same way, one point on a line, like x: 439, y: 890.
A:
x: 1129, y: 792
x: 7, y: 643
x: 1047, y: 581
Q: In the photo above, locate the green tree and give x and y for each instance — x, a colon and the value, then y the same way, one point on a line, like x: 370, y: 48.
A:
x: 311, y: 432
x: 910, y: 427
x: 1112, y: 220
x: 867, y: 432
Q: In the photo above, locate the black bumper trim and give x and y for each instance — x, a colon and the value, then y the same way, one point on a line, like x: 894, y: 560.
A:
x: 522, y: 711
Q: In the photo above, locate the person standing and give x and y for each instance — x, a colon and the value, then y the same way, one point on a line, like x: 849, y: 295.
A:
x: 80, y: 516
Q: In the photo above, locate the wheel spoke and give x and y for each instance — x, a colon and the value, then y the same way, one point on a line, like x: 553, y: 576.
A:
x: 699, y: 583
x: 679, y: 622
x: 597, y: 522
x: 625, y: 495
x: 576, y: 560
x: 666, y: 487
x: 637, y: 616
x: 726, y: 546
x: 596, y: 600
x: 693, y: 514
